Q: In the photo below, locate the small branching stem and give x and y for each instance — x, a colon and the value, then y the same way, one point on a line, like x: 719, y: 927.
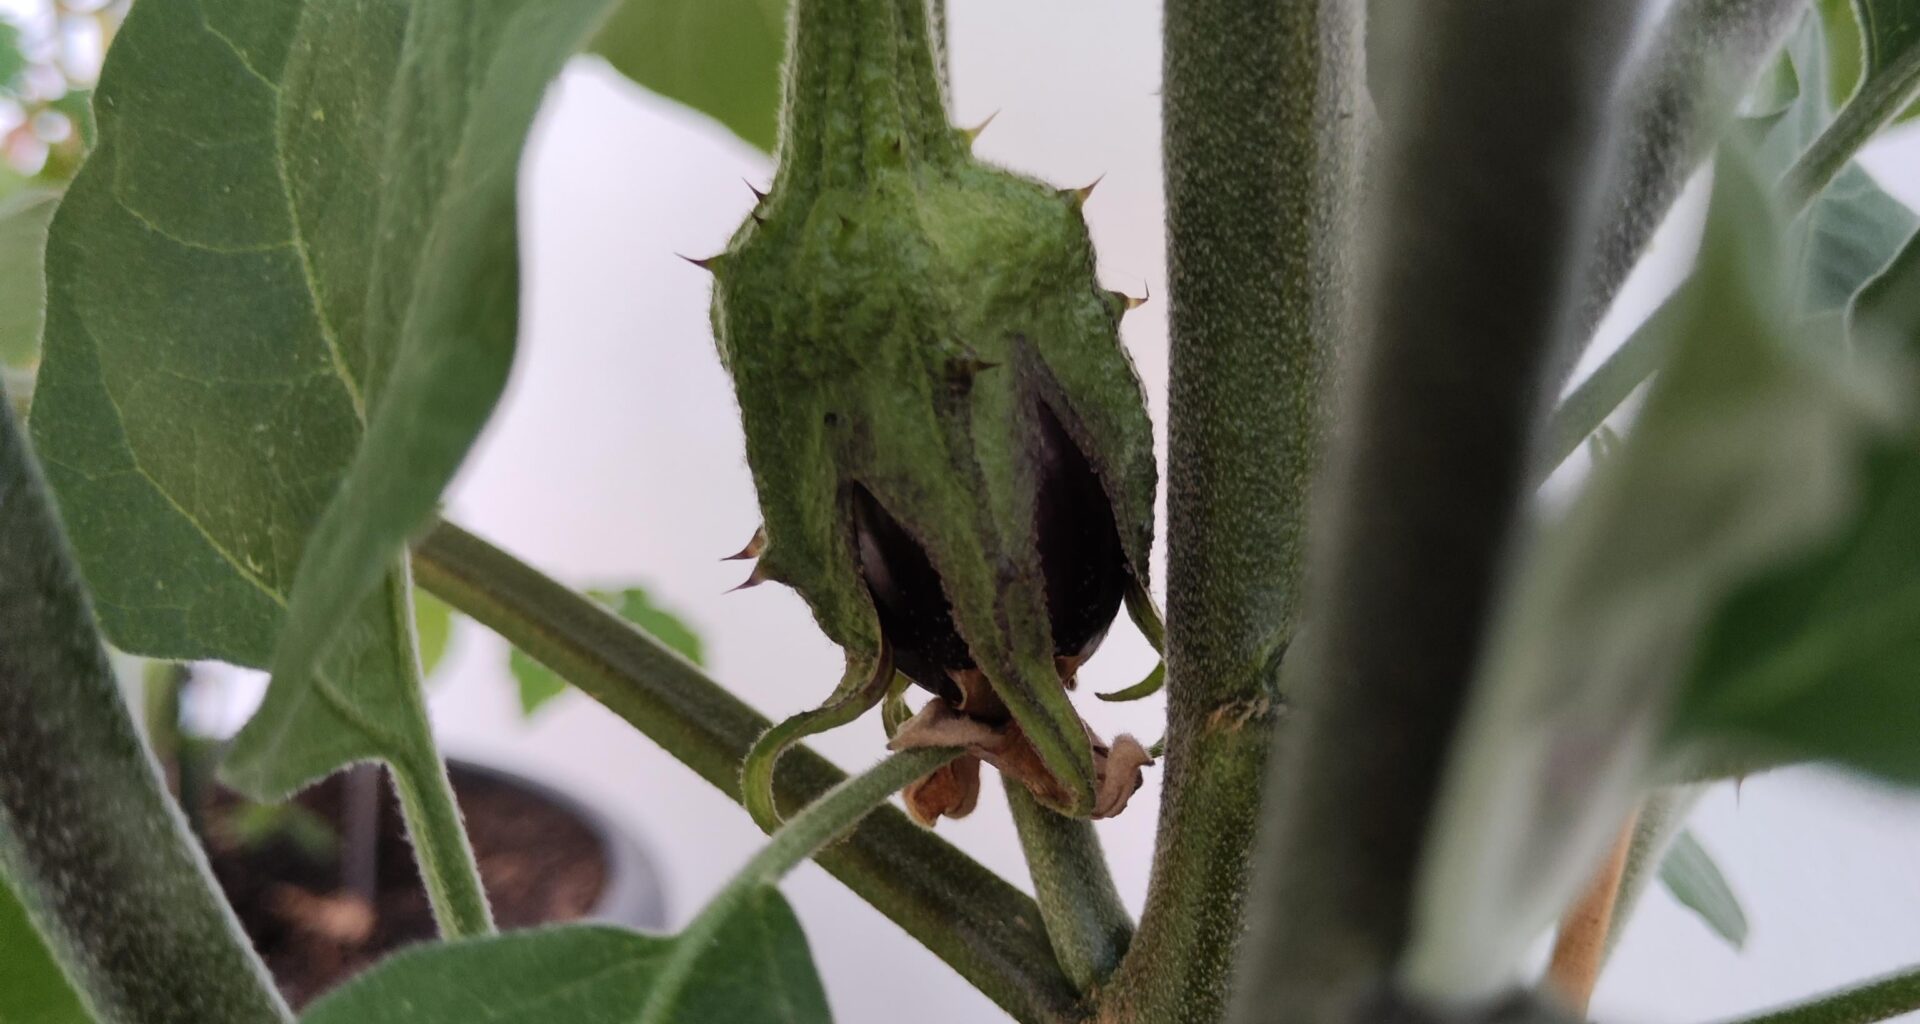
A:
x: 1086, y: 923
x: 1881, y: 999
x: 990, y: 932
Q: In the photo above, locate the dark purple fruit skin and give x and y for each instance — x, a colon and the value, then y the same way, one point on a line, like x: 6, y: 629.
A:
x: 1080, y: 556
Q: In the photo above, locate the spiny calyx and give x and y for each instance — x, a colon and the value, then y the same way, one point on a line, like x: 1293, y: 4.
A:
x: 951, y: 448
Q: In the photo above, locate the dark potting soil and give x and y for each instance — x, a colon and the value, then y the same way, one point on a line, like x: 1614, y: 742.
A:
x: 539, y: 864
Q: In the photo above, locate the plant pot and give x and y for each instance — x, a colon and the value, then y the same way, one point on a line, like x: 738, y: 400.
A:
x: 319, y: 915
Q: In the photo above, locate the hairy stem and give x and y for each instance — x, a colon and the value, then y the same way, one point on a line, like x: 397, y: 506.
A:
x: 1260, y: 140
x: 1086, y: 924
x: 1678, y: 100
x: 440, y: 845
x: 1881, y: 999
x: 1881, y: 95
x: 1494, y: 137
x: 92, y: 845
x: 1661, y: 818
x: 990, y: 932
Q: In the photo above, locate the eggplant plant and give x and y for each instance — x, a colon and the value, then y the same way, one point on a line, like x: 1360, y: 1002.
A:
x: 1417, y: 718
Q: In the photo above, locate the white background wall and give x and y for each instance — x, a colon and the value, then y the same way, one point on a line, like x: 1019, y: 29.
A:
x: 618, y: 458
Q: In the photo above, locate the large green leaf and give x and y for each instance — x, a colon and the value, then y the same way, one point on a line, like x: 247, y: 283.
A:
x: 33, y: 989
x: 1746, y: 456
x: 539, y: 684
x: 438, y: 316
x: 755, y: 970
x: 720, y: 57
x: 23, y: 242
x: 1690, y: 874
x: 306, y: 214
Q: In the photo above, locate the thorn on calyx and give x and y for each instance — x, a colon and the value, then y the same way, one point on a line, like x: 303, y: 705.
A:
x: 967, y: 367
x: 757, y: 194
x: 973, y: 133
x: 754, y: 579
x: 753, y: 549
x: 711, y: 264
x: 1079, y: 195
x: 1129, y: 303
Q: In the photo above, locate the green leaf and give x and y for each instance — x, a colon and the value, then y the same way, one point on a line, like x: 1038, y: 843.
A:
x: 1745, y: 457
x: 756, y: 970
x: 1817, y: 658
x: 1690, y: 874
x: 306, y: 211
x: 23, y: 241
x: 33, y: 989
x: 438, y: 316
x: 432, y: 627
x: 539, y: 684
x: 720, y: 57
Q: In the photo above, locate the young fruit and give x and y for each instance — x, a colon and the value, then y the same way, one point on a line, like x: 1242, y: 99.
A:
x: 951, y: 448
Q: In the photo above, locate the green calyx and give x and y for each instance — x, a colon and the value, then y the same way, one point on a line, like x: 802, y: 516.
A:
x: 930, y: 377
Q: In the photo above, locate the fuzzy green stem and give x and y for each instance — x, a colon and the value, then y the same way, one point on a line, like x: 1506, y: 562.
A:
x: 441, y: 849
x: 1260, y: 144
x: 1884, y: 93
x: 1086, y: 923
x: 92, y: 845
x: 1494, y: 140
x: 810, y: 831
x: 864, y: 89
x: 427, y: 804
x: 1588, y: 406
x: 1679, y: 98
x: 1661, y: 817
x: 990, y: 932
x: 1882, y: 999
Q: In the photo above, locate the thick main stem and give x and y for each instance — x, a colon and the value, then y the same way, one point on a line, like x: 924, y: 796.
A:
x: 1493, y: 138
x: 89, y: 839
x: 1260, y: 137
x: 987, y: 930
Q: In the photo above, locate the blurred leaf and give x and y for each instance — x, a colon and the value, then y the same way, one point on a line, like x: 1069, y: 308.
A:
x: 756, y: 969
x: 33, y: 989
x: 720, y: 57
x: 1845, y: 50
x: 253, y: 825
x: 1745, y: 456
x: 12, y: 61
x: 539, y: 684
x: 1847, y: 235
x: 1690, y: 874
x: 1818, y: 658
x: 433, y: 626
x: 23, y: 242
